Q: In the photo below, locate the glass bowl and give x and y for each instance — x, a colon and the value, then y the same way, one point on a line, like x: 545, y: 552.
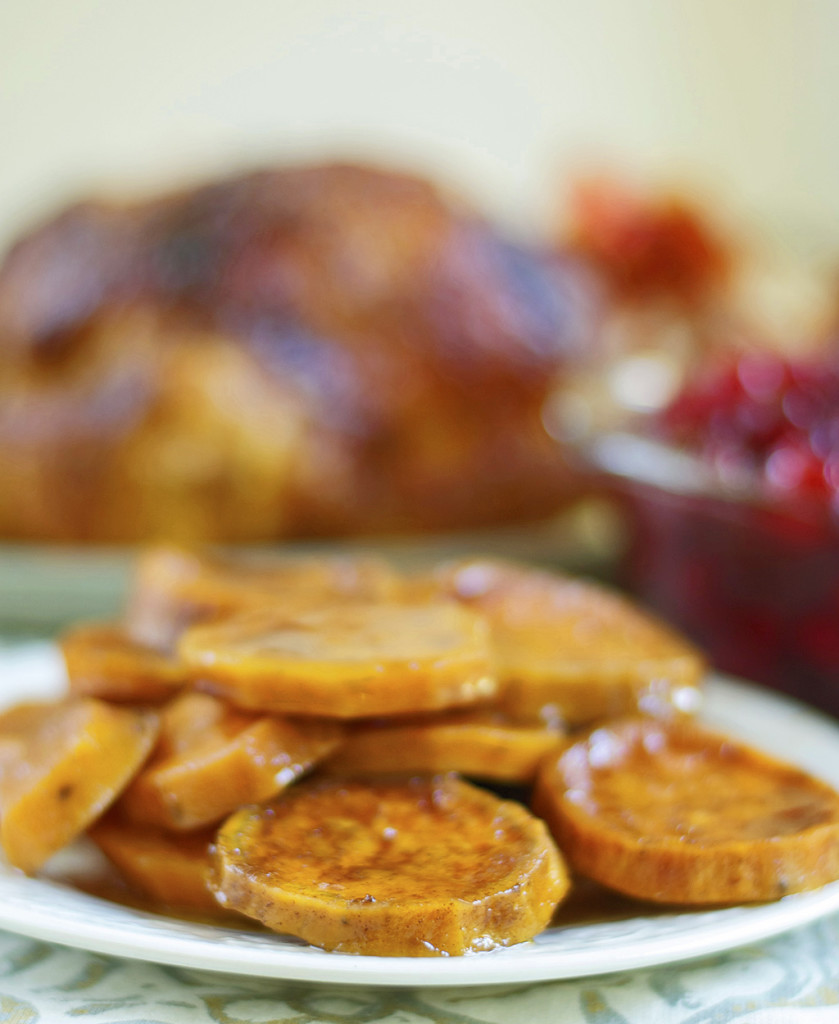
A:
x: 752, y: 579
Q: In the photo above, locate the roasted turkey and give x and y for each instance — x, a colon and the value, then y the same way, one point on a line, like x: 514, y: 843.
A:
x: 305, y: 351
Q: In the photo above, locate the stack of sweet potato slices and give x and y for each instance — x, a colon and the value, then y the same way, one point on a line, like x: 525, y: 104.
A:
x: 287, y: 741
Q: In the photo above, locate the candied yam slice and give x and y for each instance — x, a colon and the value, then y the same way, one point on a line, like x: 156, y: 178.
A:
x: 174, y: 871
x: 482, y: 744
x: 571, y: 650
x: 18, y: 724
x: 80, y: 754
x: 174, y: 588
x: 670, y: 812
x: 102, y: 660
x: 345, y: 661
x: 211, y: 758
x: 414, y: 868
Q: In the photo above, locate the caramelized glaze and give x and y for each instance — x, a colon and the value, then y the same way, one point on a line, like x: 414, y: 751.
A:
x: 573, y: 648
x: 346, y: 661
x: 211, y: 758
x: 673, y: 813
x: 423, y: 867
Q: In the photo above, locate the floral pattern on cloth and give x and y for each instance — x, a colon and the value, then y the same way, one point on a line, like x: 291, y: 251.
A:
x: 792, y: 979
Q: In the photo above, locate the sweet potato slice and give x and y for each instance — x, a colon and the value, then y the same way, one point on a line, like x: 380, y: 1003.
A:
x: 345, y: 661
x: 483, y: 744
x: 175, y: 588
x: 79, y: 754
x: 102, y: 660
x: 572, y: 651
x: 673, y: 813
x: 418, y: 868
x: 211, y: 758
x: 18, y: 724
x: 173, y: 871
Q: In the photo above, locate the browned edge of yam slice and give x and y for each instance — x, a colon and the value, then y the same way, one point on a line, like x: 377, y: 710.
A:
x: 670, y: 812
x: 421, y: 867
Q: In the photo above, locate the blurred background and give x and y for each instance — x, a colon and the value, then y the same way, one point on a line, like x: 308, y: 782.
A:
x: 570, y: 127
x: 735, y: 97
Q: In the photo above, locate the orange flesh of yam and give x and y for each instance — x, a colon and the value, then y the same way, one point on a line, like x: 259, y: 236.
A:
x: 418, y: 868
x: 672, y: 813
x: 571, y: 650
x: 80, y: 754
x: 211, y: 758
x: 345, y: 661
x: 103, y: 661
x: 174, y: 871
x: 477, y: 743
x: 175, y: 588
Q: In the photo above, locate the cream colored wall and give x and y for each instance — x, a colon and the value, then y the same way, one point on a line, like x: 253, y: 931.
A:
x: 496, y: 94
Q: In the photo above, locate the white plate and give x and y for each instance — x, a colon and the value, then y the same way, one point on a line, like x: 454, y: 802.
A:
x: 47, y: 910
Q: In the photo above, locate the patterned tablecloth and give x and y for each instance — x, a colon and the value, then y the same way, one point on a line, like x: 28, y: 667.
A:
x: 793, y: 979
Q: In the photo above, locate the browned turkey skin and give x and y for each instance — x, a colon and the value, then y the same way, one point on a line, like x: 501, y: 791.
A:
x: 298, y: 352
